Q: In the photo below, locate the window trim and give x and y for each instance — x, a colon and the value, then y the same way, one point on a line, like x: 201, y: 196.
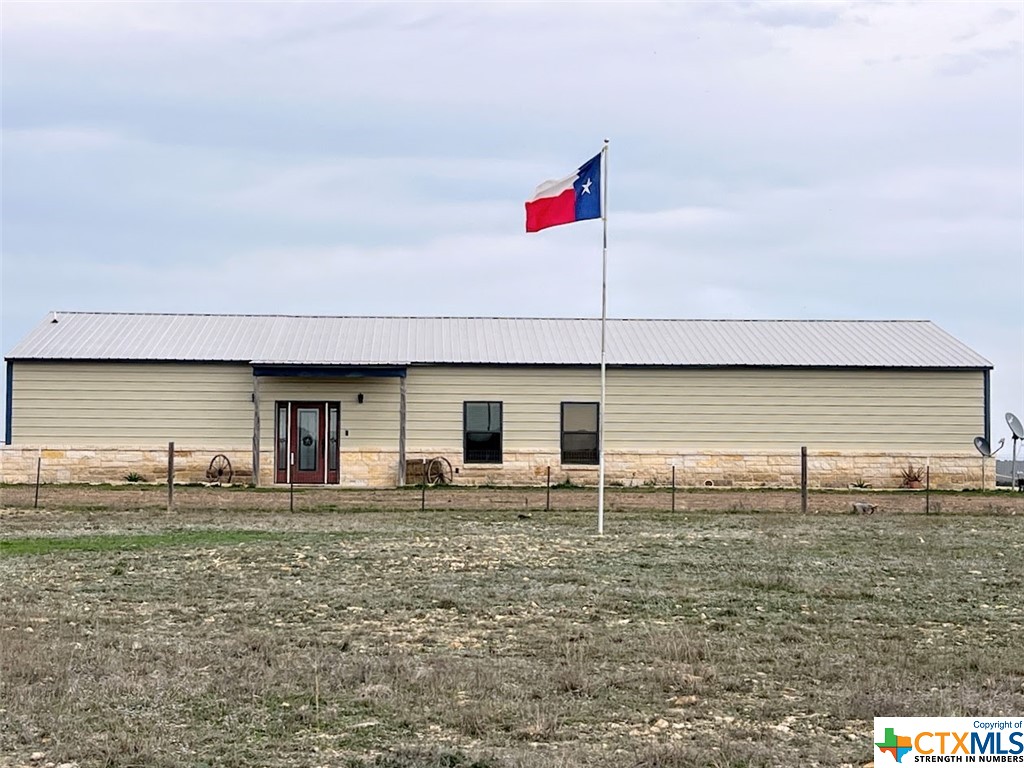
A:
x: 281, y: 407
x: 596, y: 432
x: 333, y: 452
x: 500, y: 432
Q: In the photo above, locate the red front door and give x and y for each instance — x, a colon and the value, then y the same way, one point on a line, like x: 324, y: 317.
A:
x: 306, y: 442
x: 308, y: 454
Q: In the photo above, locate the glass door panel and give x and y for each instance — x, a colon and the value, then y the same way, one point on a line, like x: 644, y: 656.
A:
x: 309, y: 443
x: 333, y: 428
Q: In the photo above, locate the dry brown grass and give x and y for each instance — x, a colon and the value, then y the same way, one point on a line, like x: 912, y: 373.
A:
x: 475, y: 639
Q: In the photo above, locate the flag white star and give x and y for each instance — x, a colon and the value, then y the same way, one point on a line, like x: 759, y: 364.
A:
x: 586, y: 188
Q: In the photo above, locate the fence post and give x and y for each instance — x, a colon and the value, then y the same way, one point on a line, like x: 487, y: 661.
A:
x: 547, y: 504
x: 803, y: 479
x: 39, y: 464
x: 673, y: 487
x: 927, y: 488
x: 170, y: 476
x: 423, y: 485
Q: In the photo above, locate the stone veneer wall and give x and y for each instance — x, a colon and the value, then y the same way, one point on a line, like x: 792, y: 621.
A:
x: 112, y: 465
x: 825, y: 469
x: 378, y: 469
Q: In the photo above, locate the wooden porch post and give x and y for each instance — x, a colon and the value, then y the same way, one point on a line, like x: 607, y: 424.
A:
x: 255, y: 430
x: 401, y: 431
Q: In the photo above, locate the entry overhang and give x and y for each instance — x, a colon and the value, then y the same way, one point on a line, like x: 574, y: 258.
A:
x: 326, y: 371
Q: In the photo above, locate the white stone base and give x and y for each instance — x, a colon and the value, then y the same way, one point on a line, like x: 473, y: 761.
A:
x: 114, y: 465
x: 380, y: 469
x: 730, y: 469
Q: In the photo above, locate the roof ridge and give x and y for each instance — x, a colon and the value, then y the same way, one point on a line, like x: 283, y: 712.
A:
x: 58, y: 313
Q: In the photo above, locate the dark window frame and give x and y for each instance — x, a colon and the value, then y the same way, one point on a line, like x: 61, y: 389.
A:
x: 333, y: 437
x: 467, y: 458
x: 596, y: 432
x: 281, y: 408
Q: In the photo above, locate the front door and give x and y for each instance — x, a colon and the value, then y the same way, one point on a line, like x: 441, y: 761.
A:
x: 306, y: 446
x: 307, y: 443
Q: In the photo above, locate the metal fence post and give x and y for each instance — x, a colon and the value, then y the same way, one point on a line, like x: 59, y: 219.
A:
x: 170, y: 477
x: 39, y: 465
x: 803, y: 479
x: 927, y: 489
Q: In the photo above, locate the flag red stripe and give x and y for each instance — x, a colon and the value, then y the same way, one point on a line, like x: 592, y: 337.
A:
x: 551, y: 211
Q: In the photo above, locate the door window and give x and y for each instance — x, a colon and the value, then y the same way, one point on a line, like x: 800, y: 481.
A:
x: 309, y: 438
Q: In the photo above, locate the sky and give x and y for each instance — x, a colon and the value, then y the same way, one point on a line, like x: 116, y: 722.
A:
x: 766, y: 160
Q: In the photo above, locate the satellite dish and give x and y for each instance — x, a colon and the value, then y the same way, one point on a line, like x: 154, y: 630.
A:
x: 988, y: 452
x: 985, y: 449
x: 1015, y: 426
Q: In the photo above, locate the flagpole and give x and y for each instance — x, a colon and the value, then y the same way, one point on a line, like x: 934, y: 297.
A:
x: 604, y: 315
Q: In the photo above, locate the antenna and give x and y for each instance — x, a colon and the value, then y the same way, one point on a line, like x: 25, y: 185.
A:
x: 1018, y: 434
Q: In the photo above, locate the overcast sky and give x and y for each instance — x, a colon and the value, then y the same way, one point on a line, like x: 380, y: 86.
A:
x: 767, y: 160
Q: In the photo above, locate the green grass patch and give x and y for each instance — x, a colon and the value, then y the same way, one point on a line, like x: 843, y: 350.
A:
x: 123, y: 542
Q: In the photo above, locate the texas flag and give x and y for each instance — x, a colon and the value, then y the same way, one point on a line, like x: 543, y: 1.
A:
x: 574, y: 198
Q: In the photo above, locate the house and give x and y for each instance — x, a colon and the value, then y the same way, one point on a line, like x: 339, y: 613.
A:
x: 355, y: 401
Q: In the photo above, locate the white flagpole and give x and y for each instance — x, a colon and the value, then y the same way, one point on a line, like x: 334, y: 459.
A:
x: 604, y: 314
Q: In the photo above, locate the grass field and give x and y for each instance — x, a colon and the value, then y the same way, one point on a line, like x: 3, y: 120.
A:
x: 472, y: 637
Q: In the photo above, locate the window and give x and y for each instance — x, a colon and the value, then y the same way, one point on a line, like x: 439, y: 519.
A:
x: 332, y: 436
x: 309, y: 436
x: 282, y: 438
x: 481, y: 424
x: 579, y: 433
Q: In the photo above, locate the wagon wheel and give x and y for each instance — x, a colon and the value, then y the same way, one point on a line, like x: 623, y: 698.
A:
x: 439, y: 471
x: 220, y: 470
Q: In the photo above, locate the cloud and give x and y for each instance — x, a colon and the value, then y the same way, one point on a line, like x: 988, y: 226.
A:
x: 962, y: 64
x: 416, y: 191
x: 809, y: 15
x: 1003, y: 15
x: 674, y: 220
x: 60, y: 139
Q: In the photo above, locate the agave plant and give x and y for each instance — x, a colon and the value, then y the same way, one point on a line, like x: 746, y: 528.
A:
x: 912, y: 476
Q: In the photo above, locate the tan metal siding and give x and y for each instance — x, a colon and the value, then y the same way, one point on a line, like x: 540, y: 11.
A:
x: 884, y: 410
x: 692, y: 409
x: 531, y: 397
x: 131, y: 404
x: 146, y: 404
x: 372, y: 424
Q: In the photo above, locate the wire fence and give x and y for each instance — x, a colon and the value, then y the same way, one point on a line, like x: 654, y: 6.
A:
x: 511, y: 503
x: 769, y: 481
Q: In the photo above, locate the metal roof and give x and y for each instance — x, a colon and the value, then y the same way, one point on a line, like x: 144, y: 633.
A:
x: 391, y: 341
